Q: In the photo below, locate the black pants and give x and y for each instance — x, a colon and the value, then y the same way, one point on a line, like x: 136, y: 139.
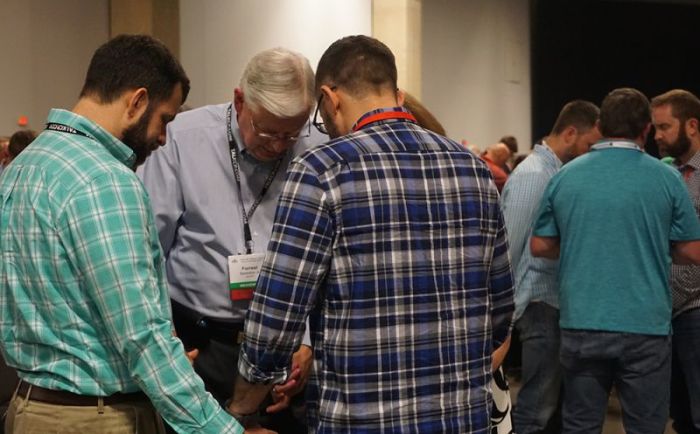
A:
x: 217, y: 365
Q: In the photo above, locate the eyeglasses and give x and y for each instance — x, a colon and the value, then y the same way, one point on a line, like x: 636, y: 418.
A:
x: 320, y: 125
x: 282, y: 137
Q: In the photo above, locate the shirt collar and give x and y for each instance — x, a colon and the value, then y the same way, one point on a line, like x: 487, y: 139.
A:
x: 544, y: 151
x: 694, y: 162
x: 381, y: 121
x: 116, y: 147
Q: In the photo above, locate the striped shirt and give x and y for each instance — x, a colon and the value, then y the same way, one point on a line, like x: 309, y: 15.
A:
x: 535, y: 278
x: 685, y: 279
x: 392, y: 239
x: 83, y: 301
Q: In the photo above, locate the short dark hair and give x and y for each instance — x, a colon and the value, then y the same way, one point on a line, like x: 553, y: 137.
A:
x: 511, y: 142
x: 579, y: 114
x: 129, y: 62
x: 624, y: 113
x: 20, y: 140
x: 684, y: 105
x: 359, y: 64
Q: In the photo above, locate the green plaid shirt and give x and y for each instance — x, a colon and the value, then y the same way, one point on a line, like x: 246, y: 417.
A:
x: 83, y: 300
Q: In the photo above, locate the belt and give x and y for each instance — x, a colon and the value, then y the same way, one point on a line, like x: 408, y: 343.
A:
x: 62, y: 397
x: 188, y: 321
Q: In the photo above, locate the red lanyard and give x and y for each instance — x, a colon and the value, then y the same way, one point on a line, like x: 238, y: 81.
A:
x: 382, y: 117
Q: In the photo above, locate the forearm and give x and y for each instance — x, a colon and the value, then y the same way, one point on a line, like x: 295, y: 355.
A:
x: 247, y: 396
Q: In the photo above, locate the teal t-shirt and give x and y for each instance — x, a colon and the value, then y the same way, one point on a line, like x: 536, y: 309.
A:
x: 616, y: 211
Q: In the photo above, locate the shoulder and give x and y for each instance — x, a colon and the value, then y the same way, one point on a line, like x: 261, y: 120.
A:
x: 202, y: 118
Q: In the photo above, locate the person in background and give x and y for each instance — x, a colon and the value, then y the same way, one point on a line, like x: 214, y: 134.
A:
x: 676, y: 118
x: 512, y: 144
x: 390, y: 239
x: 536, y: 288
x: 495, y: 157
x: 18, y: 142
x: 616, y: 217
x: 84, y: 308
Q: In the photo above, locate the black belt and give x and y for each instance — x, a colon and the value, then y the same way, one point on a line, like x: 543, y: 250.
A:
x: 189, y: 322
x: 62, y: 397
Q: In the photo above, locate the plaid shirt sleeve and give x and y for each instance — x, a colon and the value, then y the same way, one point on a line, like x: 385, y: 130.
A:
x: 110, y: 229
x: 295, y: 266
x: 500, y: 285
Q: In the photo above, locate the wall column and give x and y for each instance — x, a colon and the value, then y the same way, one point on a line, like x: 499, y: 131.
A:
x: 397, y: 23
x: 158, y: 18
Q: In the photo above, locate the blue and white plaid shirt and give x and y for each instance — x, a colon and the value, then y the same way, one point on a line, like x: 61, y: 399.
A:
x: 392, y: 239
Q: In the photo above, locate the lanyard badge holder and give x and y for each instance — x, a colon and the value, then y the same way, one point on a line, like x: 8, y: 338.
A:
x: 244, y: 269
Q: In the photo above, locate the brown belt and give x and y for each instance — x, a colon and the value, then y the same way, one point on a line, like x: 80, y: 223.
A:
x: 61, y: 397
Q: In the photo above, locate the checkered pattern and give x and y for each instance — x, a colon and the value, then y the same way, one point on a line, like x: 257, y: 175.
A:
x: 685, y: 279
x: 393, y: 240
x: 83, y: 302
x: 535, y: 278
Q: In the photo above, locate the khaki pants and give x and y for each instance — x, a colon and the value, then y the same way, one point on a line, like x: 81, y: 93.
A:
x: 34, y: 417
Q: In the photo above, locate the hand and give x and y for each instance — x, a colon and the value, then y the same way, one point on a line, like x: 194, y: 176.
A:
x: 281, y: 395
x: 303, y: 360
x: 191, y: 355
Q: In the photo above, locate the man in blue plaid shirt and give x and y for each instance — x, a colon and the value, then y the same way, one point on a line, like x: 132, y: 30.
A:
x: 390, y: 238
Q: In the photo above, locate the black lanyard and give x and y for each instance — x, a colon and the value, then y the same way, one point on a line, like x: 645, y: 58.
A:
x: 63, y: 128
x: 233, y: 147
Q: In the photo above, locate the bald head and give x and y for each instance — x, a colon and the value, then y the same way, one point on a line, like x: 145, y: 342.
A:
x: 498, y: 153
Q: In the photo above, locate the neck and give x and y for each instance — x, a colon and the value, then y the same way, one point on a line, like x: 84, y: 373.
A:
x: 558, y: 146
x: 106, y: 116
x: 358, y: 107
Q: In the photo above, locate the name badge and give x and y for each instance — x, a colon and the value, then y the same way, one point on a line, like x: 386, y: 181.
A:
x: 243, y: 271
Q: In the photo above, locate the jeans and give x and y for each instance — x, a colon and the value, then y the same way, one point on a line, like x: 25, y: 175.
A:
x: 639, y: 366
x: 685, y: 385
x: 538, y: 398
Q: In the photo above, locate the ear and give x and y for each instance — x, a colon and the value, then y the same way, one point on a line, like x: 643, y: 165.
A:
x: 569, y: 134
x: 691, y: 127
x: 238, y: 100
x: 136, y: 103
x: 330, y: 98
x: 400, y: 97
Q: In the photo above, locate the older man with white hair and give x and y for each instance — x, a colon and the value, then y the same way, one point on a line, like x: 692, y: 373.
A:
x: 214, y: 187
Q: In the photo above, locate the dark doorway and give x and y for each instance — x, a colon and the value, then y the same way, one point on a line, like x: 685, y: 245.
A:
x: 585, y: 48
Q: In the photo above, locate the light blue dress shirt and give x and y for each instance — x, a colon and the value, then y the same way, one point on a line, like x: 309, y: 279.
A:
x: 195, y: 201
x: 535, y: 278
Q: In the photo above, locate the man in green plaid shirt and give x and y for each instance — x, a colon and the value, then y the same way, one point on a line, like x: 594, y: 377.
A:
x: 84, y: 308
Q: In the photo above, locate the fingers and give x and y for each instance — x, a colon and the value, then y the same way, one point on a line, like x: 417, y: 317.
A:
x: 191, y: 355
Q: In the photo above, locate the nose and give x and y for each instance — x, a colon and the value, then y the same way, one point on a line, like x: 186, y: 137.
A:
x: 657, y: 135
x: 279, y: 145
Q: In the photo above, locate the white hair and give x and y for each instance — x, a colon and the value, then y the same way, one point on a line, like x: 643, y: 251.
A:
x: 281, y: 81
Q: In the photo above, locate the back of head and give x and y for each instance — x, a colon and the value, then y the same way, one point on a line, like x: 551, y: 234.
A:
x: 20, y: 140
x: 579, y: 114
x: 359, y: 64
x: 624, y: 113
x: 684, y: 105
x: 423, y: 116
x: 511, y: 142
x: 129, y: 62
x: 279, y: 81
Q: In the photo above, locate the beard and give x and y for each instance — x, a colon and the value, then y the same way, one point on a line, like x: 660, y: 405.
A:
x: 681, y: 146
x: 136, y: 138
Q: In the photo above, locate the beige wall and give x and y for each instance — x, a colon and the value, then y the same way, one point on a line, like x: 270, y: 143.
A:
x: 45, y: 49
x: 476, y: 68
x: 474, y: 71
x: 217, y: 37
